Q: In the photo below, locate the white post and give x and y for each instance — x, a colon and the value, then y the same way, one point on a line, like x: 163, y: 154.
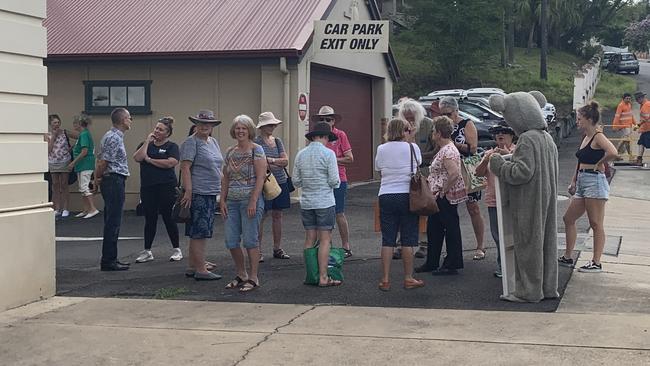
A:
x: 506, y: 239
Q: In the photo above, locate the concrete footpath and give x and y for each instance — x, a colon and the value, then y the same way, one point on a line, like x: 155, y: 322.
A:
x: 602, y: 319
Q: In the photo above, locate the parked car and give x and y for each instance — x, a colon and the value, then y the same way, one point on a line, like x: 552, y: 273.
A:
x: 446, y: 93
x: 483, y: 92
x: 607, y: 56
x: 623, y: 62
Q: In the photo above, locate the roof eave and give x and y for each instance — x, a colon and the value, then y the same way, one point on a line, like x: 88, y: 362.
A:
x: 175, y: 55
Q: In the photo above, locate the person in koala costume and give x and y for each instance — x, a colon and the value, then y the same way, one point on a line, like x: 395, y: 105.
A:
x: 530, y: 188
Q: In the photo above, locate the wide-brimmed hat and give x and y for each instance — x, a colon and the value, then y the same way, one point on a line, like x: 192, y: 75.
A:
x: 321, y: 129
x: 639, y: 95
x: 267, y: 118
x: 326, y: 111
x: 205, y: 116
x: 501, y: 128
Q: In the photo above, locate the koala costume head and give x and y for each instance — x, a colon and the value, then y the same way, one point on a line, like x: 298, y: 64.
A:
x: 522, y: 111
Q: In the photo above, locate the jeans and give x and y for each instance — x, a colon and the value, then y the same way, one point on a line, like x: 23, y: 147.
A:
x: 158, y: 199
x: 239, y: 225
x: 444, y: 226
x: 112, y: 187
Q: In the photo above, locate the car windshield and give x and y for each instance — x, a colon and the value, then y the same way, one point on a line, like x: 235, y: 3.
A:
x: 607, y: 56
x: 627, y: 57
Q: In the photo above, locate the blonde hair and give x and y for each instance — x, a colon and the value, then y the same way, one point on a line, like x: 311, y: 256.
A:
x: 444, y: 126
x: 245, y: 121
x: 395, y: 129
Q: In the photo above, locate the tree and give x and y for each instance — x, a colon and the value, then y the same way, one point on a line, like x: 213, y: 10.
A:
x: 544, y: 49
x: 637, y: 35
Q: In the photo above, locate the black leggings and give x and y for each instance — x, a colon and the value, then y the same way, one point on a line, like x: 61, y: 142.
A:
x: 158, y: 199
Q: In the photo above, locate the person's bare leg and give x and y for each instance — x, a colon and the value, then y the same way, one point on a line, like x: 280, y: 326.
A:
x: 237, y: 255
x: 310, y: 238
x: 89, y: 204
x: 344, y: 231
x: 254, y: 262
x: 477, y: 223
x: 573, y: 212
x: 260, y: 234
x: 386, y: 258
x: 276, y: 215
x: 56, y: 191
x: 65, y: 192
x: 324, y: 238
x: 596, y: 213
x: 197, y: 255
x: 407, y: 259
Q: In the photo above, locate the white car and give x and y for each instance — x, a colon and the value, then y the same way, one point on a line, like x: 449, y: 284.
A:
x: 483, y: 92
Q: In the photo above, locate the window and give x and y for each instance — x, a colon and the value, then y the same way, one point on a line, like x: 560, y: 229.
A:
x: 102, y: 96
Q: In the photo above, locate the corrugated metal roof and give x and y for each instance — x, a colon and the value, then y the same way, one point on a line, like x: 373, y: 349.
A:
x: 180, y: 27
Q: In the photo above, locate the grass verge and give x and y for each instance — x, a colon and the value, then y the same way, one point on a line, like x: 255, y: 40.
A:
x: 170, y: 292
x: 611, y: 87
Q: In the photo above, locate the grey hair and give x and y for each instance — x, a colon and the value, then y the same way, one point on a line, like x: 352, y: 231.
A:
x: 414, y: 107
x: 448, y: 102
x: 245, y: 121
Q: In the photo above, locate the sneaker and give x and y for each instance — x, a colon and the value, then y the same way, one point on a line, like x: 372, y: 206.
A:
x: 81, y: 214
x: 421, y: 252
x: 176, y: 256
x: 261, y: 258
x: 498, y: 273
x: 91, y: 214
x: 566, y: 262
x: 65, y: 213
x: 397, y: 253
x: 591, y: 267
x: 57, y: 213
x: 145, y: 256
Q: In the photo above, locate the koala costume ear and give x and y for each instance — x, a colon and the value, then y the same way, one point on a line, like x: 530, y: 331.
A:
x: 539, y: 97
x: 498, y: 103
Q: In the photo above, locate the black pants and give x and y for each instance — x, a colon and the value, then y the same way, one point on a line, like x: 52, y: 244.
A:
x: 112, y: 187
x: 156, y: 200
x: 444, y: 226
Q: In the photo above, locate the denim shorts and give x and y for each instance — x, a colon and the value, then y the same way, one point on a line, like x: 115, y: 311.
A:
x: 395, y: 217
x: 239, y: 227
x: 592, y: 185
x: 281, y: 202
x: 340, y: 194
x: 202, y: 211
x: 318, y: 219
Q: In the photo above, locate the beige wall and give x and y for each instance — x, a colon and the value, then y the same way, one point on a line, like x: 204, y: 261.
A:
x: 26, y: 219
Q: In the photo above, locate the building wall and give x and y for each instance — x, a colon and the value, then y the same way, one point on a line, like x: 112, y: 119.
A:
x: 23, y: 192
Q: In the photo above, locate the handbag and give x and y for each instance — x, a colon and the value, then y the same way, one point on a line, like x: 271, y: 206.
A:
x: 271, y: 187
x: 334, y: 265
x: 72, y: 176
x: 473, y: 183
x: 421, y: 200
x: 290, y: 186
x: 180, y: 214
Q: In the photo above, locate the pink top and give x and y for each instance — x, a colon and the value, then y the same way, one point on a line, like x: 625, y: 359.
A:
x: 340, y: 147
x: 438, y: 175
x: 490, y: 192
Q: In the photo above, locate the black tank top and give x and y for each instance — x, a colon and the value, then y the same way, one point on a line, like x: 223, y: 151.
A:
x: 458, y: 135
x: 588, y: 155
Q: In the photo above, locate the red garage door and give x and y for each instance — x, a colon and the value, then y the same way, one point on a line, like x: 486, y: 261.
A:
x: 350, y: 95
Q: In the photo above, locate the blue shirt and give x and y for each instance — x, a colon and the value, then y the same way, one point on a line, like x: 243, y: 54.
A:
x: 206, y: 166
x: 316, y: 172
x: 274, y: 152
x: 112, y: 150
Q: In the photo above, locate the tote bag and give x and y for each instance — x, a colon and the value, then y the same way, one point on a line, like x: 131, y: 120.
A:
x: 334, y: 265
x: 421, y: 200
x: 473, y: 183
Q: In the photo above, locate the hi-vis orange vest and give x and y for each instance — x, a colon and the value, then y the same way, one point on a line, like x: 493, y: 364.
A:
x: 624, y: 117
x: 645, y: 117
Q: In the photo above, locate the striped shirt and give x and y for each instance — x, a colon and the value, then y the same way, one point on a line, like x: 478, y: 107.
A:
x: 316, y: 172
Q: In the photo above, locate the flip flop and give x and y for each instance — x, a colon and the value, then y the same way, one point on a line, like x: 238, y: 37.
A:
x: 479, y: 255
x: 235, y: 283
x: 330, y: 283
x: 249, y: 286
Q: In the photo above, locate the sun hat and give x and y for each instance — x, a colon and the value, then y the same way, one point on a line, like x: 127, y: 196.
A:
x: 501, y: 127
x: 639, y: 95
x: 321, y: 129
x: 326, y: 111
x: 205, y: 116
x: 267, y: 118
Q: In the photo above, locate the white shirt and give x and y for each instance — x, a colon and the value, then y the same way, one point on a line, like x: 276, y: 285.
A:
x: 393, y: 160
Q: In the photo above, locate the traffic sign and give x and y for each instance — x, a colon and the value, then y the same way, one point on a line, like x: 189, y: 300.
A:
x: 302, y: 107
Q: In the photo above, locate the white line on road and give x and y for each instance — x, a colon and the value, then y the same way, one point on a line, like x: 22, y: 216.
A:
x: 97, y: 238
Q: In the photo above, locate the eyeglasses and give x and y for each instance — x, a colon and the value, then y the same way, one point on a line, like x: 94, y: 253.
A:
x: 448, y: 114
x: 326, y: 119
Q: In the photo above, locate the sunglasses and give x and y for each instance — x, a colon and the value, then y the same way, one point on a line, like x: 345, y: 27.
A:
x: 326, y: 119
x: 165, y: 120
x: 448, y: 114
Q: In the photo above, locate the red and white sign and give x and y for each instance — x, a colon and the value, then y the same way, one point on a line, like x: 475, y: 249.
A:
x: 302, y: 107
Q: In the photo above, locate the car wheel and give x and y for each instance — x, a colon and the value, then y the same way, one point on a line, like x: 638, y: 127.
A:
x: 636, y: 71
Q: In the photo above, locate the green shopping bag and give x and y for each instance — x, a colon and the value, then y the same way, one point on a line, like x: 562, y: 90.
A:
x: 334, y: 266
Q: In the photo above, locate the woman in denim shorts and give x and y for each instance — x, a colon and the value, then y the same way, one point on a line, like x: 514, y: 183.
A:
x: 242, y: 201
x: 397, y: 160
x: 201, y: 163
x: 589, y: 188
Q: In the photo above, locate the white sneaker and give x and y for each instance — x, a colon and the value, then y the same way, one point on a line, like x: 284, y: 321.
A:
x: 145, y: 256
x: 91, y: 214
x: 57, y: 213
x: 65, y: 213
x: 176, y: 256
x: 80, y: 214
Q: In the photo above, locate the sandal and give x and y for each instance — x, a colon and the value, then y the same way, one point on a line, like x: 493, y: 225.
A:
x: 280, y: 254
x: 235, y: 283
x: 330, y: 283
x: 384, y: 286
x: 210, y: 266
x: 348, y: 253
x: 248, y: 286
x: 479, y: 254
x: 413, y: 283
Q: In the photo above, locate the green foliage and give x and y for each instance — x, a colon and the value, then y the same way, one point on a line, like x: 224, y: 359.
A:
x: 611, y: 87
x: 170, y: 292
x: 637, y: 35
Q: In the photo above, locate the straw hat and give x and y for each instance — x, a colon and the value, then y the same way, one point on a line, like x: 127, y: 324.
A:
x: 321, y: 129
x: 326, y: 111
x: 205, y: 116
x: 267, y: 118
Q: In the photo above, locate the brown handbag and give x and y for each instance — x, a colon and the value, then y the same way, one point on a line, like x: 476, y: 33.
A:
x: 421, y: 200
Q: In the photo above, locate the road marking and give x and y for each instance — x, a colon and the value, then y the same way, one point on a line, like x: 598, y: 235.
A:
x: 96, y: 238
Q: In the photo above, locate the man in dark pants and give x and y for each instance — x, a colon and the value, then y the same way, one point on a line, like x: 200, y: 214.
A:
x: 111, y: 171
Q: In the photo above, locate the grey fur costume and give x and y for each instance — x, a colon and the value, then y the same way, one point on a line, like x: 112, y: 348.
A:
x: 530, y: 188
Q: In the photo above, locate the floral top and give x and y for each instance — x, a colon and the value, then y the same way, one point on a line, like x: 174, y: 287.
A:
x: 241, y: 172
x: 438, y: 175
x: 60, y: 150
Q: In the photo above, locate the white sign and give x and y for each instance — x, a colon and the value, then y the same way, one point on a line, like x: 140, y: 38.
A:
x: 356, y: 36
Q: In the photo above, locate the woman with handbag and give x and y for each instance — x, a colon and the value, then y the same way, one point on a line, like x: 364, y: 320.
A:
x: 58, y: 159
x: 201, y: 162
x: 447, y: 185
x: 157, y: 157
x: 391, y: 162
x: 277, y: 160
x: 242, y: 203
x: 465, y: 138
